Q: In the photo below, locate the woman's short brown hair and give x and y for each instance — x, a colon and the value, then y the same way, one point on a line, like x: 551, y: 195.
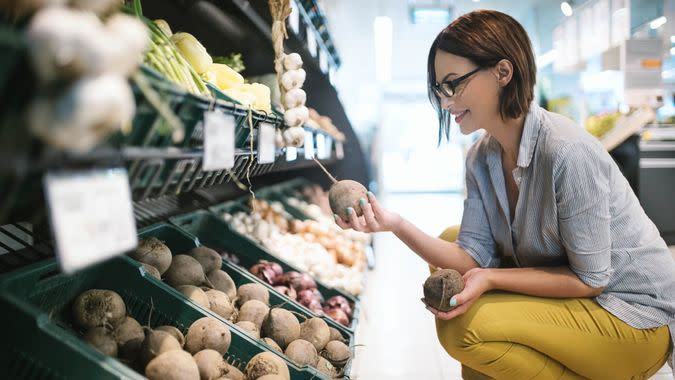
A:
x: 485, y: 37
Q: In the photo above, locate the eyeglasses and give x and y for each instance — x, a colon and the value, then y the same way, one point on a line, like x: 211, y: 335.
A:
x: 447, y: 87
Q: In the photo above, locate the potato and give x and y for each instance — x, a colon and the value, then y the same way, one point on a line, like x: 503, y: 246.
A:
x: 172, y: 365
x: 273, y: 344
x: 316, y: 331
x: 97, y: 307
x: 208, y: 258
x: 325, y: 367
x: 252, y: 291
x: 185, y: 270
x: 282, y: 326
x: 174, y: 332
x: 335, y: 334
x: 153, y: 252
x: 337, y: 353
x: 440, y: 287
x: 211, y: 364
x: 346, y: 193
x: 195, y: 295
x: 129, y: 336
x: 271, y: 377
x: 302, y: 353
x: 233, y: 373
x: 220, y: 303
x: 208, y: 332
x: 223, y: 282
x: 152, y: 271
x: 253, y: 311
x: 249, y: 328
x: 266, y: 363
x: 155, y: 343
x: 103, y: 340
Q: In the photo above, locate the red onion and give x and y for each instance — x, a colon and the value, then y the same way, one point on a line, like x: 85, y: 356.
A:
x: 298, y: 281
x: 266, y: 271
x: 340, y: 302
x: 290, y: 292
x: 305, y: 297
x: 337, y: 315
x: 315, y: 306
x: 231, y: 257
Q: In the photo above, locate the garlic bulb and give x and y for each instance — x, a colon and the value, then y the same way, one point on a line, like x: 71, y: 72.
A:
x: 294, y: 137
x: 292, y: 61
x: 293, y: 79
x: 296, y: 117
x: 295, y: 98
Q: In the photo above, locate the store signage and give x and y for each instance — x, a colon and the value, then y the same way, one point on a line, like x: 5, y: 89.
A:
x: 266, y: 143
x: 91, y: 216
x: 291, y: 153
x: 311, y: 42
x: 218, y: 141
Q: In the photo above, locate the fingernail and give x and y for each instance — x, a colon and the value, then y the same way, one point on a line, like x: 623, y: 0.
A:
x: 336, y: 217
x: 453, y: 302
x: 362, y: 201
x: 349, y: 210
x: 370, y: 194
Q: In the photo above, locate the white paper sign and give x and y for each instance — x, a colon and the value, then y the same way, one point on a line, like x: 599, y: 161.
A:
x: 329, y: 147
x: 294, y: 18
x: 311, y: 42
x: 339, y: 150
x: 218, y: 141
x: 91, y: 215
x: 266, y: 143
x: 309, y: 145
x: 291, y: 153
x: 321, y: 146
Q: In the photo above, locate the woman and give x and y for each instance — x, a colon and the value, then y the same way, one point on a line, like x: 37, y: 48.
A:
x: 592, y: 290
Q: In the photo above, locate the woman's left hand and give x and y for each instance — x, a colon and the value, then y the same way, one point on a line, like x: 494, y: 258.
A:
x: 476, y: 282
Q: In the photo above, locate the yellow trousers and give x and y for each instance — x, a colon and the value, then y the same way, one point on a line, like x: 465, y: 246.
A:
x: 512, y: 336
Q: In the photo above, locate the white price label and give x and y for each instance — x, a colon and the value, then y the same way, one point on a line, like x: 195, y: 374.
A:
x: 91, y: 215
x: 291, y: 153
x: 311, y: 42
x: 294, y: 18
x: 323, y: 61
x: 339, y: 150
x: 309, y: 145
x: 329, y: 147
x: 266, y: 143
x: 218, y: 141
x: 321, y: 146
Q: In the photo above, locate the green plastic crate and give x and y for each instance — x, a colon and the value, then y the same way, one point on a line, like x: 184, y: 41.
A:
x: 42, y: 295
x: 243, y: 243
x: 213, y: 232
x: 179, y: 242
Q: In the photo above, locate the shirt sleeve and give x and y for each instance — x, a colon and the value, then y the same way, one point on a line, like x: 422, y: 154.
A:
x: 582, y: 178
x: 475, y: 236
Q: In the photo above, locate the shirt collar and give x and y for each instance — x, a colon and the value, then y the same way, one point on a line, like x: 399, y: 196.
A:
x: 528, y: 140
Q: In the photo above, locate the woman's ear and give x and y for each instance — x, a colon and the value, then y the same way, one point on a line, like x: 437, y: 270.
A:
x: 504, y: 72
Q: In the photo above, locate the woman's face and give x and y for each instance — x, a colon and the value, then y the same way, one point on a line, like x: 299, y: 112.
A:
x: 476, y: 100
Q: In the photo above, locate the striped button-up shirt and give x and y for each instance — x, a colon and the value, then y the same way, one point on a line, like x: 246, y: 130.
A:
x: 574, y: 208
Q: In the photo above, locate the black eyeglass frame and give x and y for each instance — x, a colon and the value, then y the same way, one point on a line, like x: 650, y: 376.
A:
x: 439, y: 88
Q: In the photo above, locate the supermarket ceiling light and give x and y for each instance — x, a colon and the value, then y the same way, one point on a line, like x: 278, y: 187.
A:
x: 430, y: 12
x: 384, y: 35
x: 566, y: 8
x: 672, y: 39
x: 672, y: 51
x: 659, y: 22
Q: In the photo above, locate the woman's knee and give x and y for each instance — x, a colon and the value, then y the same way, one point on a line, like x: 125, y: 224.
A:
x: 450, y: 234
x: 455, y: 336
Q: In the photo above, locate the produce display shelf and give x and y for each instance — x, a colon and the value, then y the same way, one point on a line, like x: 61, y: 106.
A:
x: 43, y: 343
x: 180, y: 242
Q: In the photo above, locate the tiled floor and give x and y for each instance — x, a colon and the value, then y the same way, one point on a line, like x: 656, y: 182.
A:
x: 397, y: 333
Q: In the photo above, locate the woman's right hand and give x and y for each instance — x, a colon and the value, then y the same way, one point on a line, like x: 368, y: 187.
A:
x: 375, y: 218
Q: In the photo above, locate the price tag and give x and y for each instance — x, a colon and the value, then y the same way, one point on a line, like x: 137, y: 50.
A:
x: 321, y: 146
x: 91, y: 216
x: 309, y: 145
x: 291, y: 153
x: 323, y: 61
x: 294, y: 18
x: 266, y: 144
x: 339, y: 150
x: 331, y: 75
x: 311, y: 42
x: 218, y: 141
x: 329, y: 147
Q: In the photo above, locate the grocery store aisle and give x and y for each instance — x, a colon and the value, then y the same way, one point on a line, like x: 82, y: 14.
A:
x: 397, y: 332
